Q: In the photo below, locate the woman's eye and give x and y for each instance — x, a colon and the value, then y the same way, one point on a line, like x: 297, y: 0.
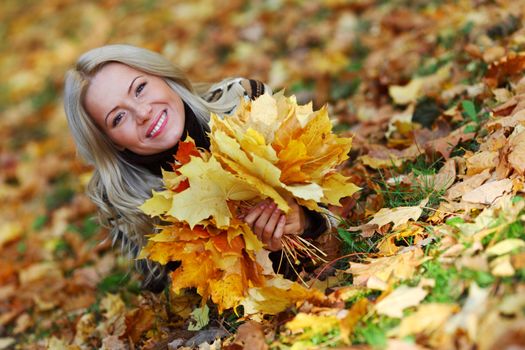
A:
x: 117, y: 119
x: 139, y: 89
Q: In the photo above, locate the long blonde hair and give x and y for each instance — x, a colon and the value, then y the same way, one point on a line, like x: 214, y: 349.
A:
x: 117, y: 187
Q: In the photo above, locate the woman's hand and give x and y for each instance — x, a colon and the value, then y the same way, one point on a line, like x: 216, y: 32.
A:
x: 269, y: 223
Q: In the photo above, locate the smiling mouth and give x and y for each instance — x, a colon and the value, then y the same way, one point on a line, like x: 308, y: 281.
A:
x: 155, y: 129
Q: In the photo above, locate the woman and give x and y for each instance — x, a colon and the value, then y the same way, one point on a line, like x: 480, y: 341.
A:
x: 127, y: 109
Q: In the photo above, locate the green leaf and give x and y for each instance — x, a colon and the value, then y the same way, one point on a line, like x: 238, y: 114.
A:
x: 39, y: 222
x: 455, y: 221
x: 469, y: 129
x: 470, y: 110
x: 201, y: 316
x: 113, y: 283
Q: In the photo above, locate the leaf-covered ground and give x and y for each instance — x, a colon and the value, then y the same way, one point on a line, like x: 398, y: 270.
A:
x: 433, y: 247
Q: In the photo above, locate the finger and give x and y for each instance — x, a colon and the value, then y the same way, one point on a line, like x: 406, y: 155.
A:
x: 254, y: 213
x: 270, y: 226
x: 276, y: 243
x: 262, y: 220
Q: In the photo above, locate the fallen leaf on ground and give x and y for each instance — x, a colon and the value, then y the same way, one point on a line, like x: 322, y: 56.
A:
x: 401, y: 298
x: 488, y: 192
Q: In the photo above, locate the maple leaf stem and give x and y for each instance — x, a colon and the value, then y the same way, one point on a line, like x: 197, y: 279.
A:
x: 294, y: 270
x: 295, y: 246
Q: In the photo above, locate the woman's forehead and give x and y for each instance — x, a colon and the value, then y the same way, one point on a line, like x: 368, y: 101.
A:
x: 113, y: 70
x: 107, y: 87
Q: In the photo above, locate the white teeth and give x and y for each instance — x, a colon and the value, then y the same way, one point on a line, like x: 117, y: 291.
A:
x: 158, y: 125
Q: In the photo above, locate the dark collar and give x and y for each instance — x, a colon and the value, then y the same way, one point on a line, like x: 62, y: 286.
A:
x: 155, y: 162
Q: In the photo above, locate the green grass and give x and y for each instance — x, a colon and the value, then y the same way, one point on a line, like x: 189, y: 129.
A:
x: 87, y: 229
x: 373, y: 331
x: 399, y: 194
x: 446, y: 288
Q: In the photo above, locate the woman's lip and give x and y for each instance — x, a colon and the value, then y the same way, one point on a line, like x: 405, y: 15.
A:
x: 153, y: 131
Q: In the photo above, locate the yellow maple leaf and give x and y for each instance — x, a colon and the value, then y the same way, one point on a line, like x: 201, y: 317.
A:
x: 195, y: 272
x: 253, y: 142
x: 291, y: 159
x: 311, y: 324
x: 264, y: 116
x: 387, y: 245
x: 162, y: 252
x: 397, y: 216
x: 336, y: 186
x: 158, y: 204
x: 265, y: 189
x: 317, y: 149
x: 210, y: 189
x: 380, y: 272
x: 307, y: 151
x: 277, y: 295
x: 228, y: 291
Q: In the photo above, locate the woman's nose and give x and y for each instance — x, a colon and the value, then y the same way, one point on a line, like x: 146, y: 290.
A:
x: 143, y: 112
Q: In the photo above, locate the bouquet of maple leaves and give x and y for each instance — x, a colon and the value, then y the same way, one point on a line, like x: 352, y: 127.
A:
x: 269, y: 148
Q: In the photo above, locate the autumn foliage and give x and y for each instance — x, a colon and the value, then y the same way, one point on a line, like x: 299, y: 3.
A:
x: 430, y: 252
x: 269, y: 148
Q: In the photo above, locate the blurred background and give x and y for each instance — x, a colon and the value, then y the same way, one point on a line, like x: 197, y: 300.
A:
x: 53, y: 267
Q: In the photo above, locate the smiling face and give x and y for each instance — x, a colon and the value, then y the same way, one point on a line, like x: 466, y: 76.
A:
x: 138, y: 111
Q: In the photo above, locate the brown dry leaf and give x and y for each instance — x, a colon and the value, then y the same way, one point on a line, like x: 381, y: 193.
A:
x: 481, y: 161
x: 395, y: 344
x: 250, y: 335
x: 488, y: 192
x: 398, y: 216
x: 113, y: 310
x: 401, y: 298
x: 85, y: 328
x: 508, y: 121
x: 112, y: 342
x: 473, y: 309
x: 23, y: 323
x: 79, y: 302
x: 467, y: 185
x: 137, y: 322
x: 412, y: 91
x: 10, y: 231
x: 387, y: 246
x: 382, y: 157
x: 513, y: 63
x: 349, y: 322
x: 495, y: 141
x: 380, y: 272
x: 502, y: 266
x: 427, y: 319
x: 516, y: 156
x: 6, y: 343
x: 445, y: 177
x: 445, y: 145
x: 497, y: 332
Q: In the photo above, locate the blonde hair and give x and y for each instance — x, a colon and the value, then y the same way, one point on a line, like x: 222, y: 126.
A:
x: 117, y: 187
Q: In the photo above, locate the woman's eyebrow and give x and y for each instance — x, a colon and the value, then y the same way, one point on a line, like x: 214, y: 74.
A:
x: 129, y: 91
x: 132, y: 82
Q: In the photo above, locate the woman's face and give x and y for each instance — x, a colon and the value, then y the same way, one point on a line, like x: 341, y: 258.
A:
x: 138, y: 111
